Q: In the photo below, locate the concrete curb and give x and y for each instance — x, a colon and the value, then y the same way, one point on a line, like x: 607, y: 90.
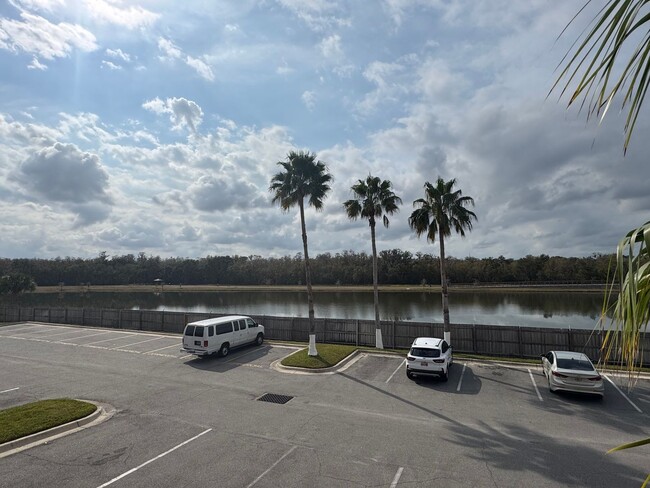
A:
x: 341, y: 366
x: 103, y: 413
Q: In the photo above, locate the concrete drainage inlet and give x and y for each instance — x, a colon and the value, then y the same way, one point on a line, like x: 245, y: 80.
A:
x: 274, y: 398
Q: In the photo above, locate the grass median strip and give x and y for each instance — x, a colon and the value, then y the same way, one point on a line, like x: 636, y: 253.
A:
x: 24, y: 420
x: 328, y: 355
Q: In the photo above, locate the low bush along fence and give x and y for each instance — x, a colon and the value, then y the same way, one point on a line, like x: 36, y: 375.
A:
x: 493, y: 340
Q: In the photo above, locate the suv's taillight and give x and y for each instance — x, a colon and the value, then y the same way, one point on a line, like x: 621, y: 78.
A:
x: 410, y: 358
x: 438, y: 360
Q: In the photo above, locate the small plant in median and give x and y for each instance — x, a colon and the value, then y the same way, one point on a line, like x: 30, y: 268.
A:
x: 24, y: 420
x: 328, y: 355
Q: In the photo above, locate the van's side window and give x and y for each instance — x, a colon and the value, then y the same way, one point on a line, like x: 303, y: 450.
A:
x: 251, y: 323
x: 211, y: 331
x: 224, y: 328
x: 242, y: 324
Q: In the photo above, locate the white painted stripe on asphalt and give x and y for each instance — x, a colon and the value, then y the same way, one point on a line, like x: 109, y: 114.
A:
x: 10, y: 389
x: 140, y: 342
x: 49, y: 336
x: 624, y: 395
x: 396, y: 370
x: 162, y: 348
x: 532, y: 378
x: 271, y: 467
x: 240, y: 356
x: 81, y: 337
x: 154, y: 459
x: 185, y: 357
x: 106, y: 340
x: 398, y: 475
x: 462, y: 374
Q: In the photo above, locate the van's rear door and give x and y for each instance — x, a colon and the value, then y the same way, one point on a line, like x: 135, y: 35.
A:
x: 193, y: 339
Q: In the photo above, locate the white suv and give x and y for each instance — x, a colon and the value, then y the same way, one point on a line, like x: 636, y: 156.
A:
x: 429, y: 356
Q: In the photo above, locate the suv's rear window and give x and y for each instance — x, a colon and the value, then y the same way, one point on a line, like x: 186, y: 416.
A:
x: 425, y: 352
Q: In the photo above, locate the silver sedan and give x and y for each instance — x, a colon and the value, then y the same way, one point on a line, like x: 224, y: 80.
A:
x: 571, y: 371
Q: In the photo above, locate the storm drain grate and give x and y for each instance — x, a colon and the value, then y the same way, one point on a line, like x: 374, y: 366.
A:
x: 275, y: 398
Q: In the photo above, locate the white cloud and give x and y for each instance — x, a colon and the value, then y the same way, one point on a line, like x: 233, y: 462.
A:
x: 183, y: 112
x: 172, y: 52
x: 38, y: 36
x: 110, y: 65
x: 36, y: 64
x: 118, y: 54
x: 309, y: 99
x: 115, y: 12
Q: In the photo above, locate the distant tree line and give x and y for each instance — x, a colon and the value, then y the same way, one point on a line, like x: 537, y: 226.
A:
x: 346, y: 268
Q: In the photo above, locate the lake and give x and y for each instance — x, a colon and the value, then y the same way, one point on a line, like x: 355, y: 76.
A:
x: 577, y: 310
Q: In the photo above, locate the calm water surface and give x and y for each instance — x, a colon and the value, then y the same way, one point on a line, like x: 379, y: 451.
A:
x: 575, y: 310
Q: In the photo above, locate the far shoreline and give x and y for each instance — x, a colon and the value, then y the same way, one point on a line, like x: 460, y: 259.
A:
x: 176, y: 288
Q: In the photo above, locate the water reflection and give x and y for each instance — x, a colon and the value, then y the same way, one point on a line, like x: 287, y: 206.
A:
x: 575, y: 310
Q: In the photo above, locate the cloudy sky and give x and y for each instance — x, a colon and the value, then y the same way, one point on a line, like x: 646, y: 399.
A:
x: 155, y: 126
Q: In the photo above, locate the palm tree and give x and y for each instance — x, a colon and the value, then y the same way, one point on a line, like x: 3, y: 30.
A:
x: 303, y: 176
x: 373, y: 198
x: 442, y: 210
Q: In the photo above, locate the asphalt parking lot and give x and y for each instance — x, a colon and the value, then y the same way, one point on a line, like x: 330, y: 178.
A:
x: 184, y: 421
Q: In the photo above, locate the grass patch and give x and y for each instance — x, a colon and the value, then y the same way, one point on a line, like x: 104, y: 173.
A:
x: 328, y: 355
x: 17, y: 422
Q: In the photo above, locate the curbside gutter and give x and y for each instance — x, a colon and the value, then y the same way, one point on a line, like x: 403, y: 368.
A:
x: 101, y: 414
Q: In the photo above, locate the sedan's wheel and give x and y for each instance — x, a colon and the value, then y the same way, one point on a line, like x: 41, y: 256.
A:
x: 259, y: 339
x: 225, y: 349
x: 409, y: 375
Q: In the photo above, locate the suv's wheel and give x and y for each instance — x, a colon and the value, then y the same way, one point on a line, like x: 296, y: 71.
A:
x: 409, y: 375
x: 259, y: 339
x: 224, y: 350
x: 445, y: 375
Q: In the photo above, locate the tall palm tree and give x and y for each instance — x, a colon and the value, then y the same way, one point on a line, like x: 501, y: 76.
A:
x: 373, y: 198
x: 303, y: 177
x: 442, y: 210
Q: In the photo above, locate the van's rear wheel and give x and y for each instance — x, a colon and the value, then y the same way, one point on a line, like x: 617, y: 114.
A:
x: 224, y: 350
x: 259, y: 339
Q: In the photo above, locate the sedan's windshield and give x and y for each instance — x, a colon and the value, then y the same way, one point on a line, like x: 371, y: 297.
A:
x: 577, y: 364
x: 425, y: 352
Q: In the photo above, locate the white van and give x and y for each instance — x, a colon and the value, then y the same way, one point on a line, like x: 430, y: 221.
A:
x: 219, y: 335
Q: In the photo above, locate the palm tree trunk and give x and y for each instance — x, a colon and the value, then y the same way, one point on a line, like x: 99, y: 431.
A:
x: 379, y: 342
x: 445, y: 291
x: 310, y: 294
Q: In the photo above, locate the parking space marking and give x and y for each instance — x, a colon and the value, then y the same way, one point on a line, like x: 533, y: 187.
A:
x: 398, y: 475
x: 130, y: 471
x: 161, y: 349
x: 81, y: 337
x: 532, y: 378
x: 49, y: 336
x: 396, y: 370
x: 624, y: 395
x: 462, y: 374
x: 107, y: 340
x: 133, y: 344
x: 270, y: 468
x: 10, y: 389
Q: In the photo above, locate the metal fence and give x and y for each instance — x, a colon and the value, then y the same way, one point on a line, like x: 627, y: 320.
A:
x: 493, y: 340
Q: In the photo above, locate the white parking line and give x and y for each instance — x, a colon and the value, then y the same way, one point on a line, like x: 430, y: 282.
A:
x: 152, y: 460
x: 396, y: 370
x: 398, y: 475
x: 127, y: 345
x: 106, y: 340
x: 462, y: 373
x: 10, y: 389
x: 624, y: 395
x: 162, y: 348
x: 49, y: 336
x: 83, y: 337
x: 271, y: 467
x: 532, y: 378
